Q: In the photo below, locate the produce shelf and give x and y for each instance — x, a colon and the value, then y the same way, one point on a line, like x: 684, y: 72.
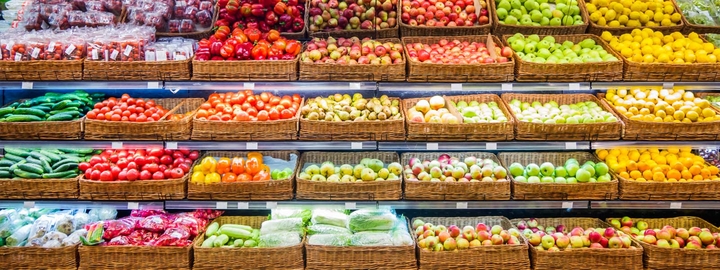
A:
x: 655, y: 205
x: 636, y: 144
x: 84, y: 85
x: 119, y: 205
x: 84, y: 144
x: 483, y: 146
x: 273, y: 86
x: 481, y: 87
x: 274, y: 145
x: 696, y: 86
x: 265, y: 205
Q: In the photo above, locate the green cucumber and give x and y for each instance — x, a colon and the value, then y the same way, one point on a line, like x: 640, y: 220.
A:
x: 61, y: 117
x: 34, y: 160
x: 5, y: 163
x: 38, y: 155
x: 46, y: 166
x: 23, y: 118
x: 25, y: 174
x: 42, y: 108
x: 5, y: 175
x: 17, y: 151
x: 59, y: 175
x: 31, y: 167
x: 13, y: 157
x: 64, y: 161
x: 53, y: 157
x: 6, y: 110
x: 66, y: 167
x: 30, y: 111
x: 14, y: 166
x: 67, y: 158
x: 83, y: 151
x: 61, y: 105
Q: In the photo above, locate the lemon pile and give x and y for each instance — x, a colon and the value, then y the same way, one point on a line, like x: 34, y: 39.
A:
x: 661, y: 105
x: 659, y: 165
x: 648, y: 46
x: 633, y: 13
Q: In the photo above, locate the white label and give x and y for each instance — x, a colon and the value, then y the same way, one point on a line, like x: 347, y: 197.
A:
x: 355, y: 86
x: 574, y: 86
x: 180, y: 57
x: 153, y: 85
x: 456, y: 87
x: 28, y: 204
x: 491, y: 146
x: 570, y: 145
x: 251, y: 146
x: 95, y: 55
x: 114, y: 54
x: 567, y: 205
x: 507, y: 86
x: 171, y: 145
x: 10, y: 45
x: 243, y: 205
x: 161, y: 55
x: 271, y: 205
x: 70, y: 49
x: 116, y: 145
x: 356, y: 145
x: 668, y: 85
x: 128, y: 50
x: 133, y: 205
x: 18, y: 57
x: 249, y: 85
x: 51, y: 46
x: 432, y: 146
x: 461, y: 205
x: 35, y: 53
x: 675, y: 205
x: 350, y: 205
x: 221, y: 205
x: 149, y: 56
x: 27, y: 85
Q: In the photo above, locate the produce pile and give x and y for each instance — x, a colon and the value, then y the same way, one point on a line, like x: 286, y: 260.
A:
x: 342, y: 107
x: 139, y: 164
x: 570, y: 173
x: 368, y: 170
x: 633, y: 13
x: 538, y: 12
x: 149, y: 228
x: 560, y: 238
x: 551, y: 113
x: 247, y: 43
x: 451, y: 169
x: 50, y: 107
x: 376, y: 227
x: 449, y: 13
x: 254, y: 167
x: 477, y: 112
x: 284, y: 16
x: 533, y: 49
x: 454, y: 52
x: 702, y: 12
x: 352, y: 51
x: 654, y: 104
x: 128, y: 109
x: 433, y: 237
x: 247, y: 106
x: 668, y: 236
x: 648, y: 46
x: 21, y: 163
x: 336, y: 15
x: 48, y: 228
x: 660, y: 165
x: 171, y: 16
x: 282, y: 232
x: 432, y: 111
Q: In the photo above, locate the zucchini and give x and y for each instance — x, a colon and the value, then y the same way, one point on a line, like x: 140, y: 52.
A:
x: 53, y: 157
x: 26, y: 175
x: 212, y: 229
x: 221, y: 240
x: 30, y: 111
x: 18, y: 152
x: 5, y: 163
x: 31, y: 167
x: 59, y: 175
x: 13, y: 157
x: 208, y: 243
x: 235, y: 232
x: 23, y: 118
x: 61, y: 117
x: 6, y: 110
x: 66, y: 167
x: 5, y: 175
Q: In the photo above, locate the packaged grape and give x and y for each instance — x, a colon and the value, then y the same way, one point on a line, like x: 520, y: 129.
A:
x: 114, y: 6
x: 187, y: 26
x: 59, y: 21
x: 204, y: 18
x: 191, y: 13
x: 205, y: 5
x: 174, y: 26
x: 96, y: 18
x: 136, y: 15
x: 193, y: 2
x: 78, y: 4
x: 179, y: 9
x: 95, y: 5
x: 164, y: 9
x: 156, y: 20
x: 47, y: 10
x: 32, y: 20
x: 76, y: 18
x: 130, y: 3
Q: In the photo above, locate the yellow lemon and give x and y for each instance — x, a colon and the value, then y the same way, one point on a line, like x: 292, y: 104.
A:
x: 675, y: 17
x: 614, y: 23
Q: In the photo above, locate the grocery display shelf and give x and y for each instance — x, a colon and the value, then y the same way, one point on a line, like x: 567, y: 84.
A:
x: 273, y: 86
x: 83, y: 85
x: 459, y: 88
x: 484, y: 146
x: 67, y: 204
x: 264, y: 205
x: 636, y: 144
x: 656, y: 205
x: 275, y: 145
x: 695, y: 86
x: 83, y: 144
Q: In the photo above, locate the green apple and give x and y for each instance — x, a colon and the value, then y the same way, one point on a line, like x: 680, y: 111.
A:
x: 534, y: 37
x: 521, y: 179
x: 347, y: 169
x: 312, y: 170
x: 560, y: 171
x: 532, y: 169
x: 547, y: 169
x: 516, y: 169
x: 560, y: 180
x: 555, y: 22
x: 511, y: 20
x: 533, y: 180
x: 583, y: 176
x: 590, y: 168
x: 502, y: 13
x: 604, y: 178
x: 547, y: 179
x: 357, y: 171
x: 571, y: 180
x: 601, y: 168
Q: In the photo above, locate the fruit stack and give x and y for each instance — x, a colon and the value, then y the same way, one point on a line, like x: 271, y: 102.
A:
x: 591, y: 179
x: 622, y: 16
x: 341, y: 18
x: 558, y: 17
x: 352, y: 59
x: 449, y: 18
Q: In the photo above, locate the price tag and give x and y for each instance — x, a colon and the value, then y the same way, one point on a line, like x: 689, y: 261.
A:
x: 356, y: 145
x: 350, y: 205
x: 149, y: 55
x: 432, y: 146
x: 668, y: 85
x: 35, y: 53
x: 461, y: 205
x: 28, y: 204
x: 18, y: 57
x: 249, y: 85
x: 507, y: 87
x: 27, y: 85
x: 573, y: 86
x: 95, y: 55
x: 161, y: 55
x: 133, y: 206
x: 456, y: 87
x: 243, y: 205
x: 221, y: 205
x: 271, y: 205
x: 114, y: 54
x: 251, y: 146
x: 116, y: 145
x: 70, y: 49
x: 675, y: 205
x: 51, y: 46
x: 153, y: 85
x: 491, y: 146
x: 128, y: 50
x: 570, y: 145
x: 171, y: 145
x: 567, y: 205
x: 355, y: 86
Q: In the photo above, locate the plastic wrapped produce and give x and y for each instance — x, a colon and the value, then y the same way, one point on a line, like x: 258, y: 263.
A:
x: 102, y: 214
x: 329, y: 217
x: 156, y: 223
x: 372, y: 220
x: 305, y: 214
x: 18, y: 236
x: 41, y: 226
x: 7, y: 215
x: 80, y: 219
x: 9, y: 227
x: 327, y: 229
x: 282, y: 225
x: 401, y: 238
x: 371, y: 239
x: 74, y: 238
x: 64, y: 224
x: 279, y: 239
x: 338, y: 240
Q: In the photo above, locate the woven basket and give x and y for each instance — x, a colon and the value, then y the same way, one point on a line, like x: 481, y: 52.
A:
x: 454, y: 191
x: 41, y: 70
x: 178, y: 70
x: 668, y: 191
x: 20, y: 189
x: 45, y: 130
x: 705, y: 95
x: 160, y: 130
x: 408, y: 30
x: 360, y: 258
x: 654, y: 72
x: 616, y: 31
x: 377, y: 130
x: 658, y: 258
x: 552, y: 191
x: 144, y: 190
x: 133, y: 257
x: 302, y: 35
x: 585, y: 258
x: 29, y: 258
x: 274, y: 190
x: 698, y: 28
x: 360, y: 33
x: 363, y: 191
x: 571, y: 72
x: 463, y: 131
x: 197, y: 35
x: 290, y: 258
x: 481, y: 258
x: 274, y: 130
x: 664, y: 131
x: 425, y: 72
x: 338, y: 72
x: 564, y: 132
x: 505, y: 29
x: 249, y: 70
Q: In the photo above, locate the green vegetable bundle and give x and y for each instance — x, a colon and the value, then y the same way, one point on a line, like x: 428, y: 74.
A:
x: 231, y: 236
x: 42, y: 163
x: 50, y: 107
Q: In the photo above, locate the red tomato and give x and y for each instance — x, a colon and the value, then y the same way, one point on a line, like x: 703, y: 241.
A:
x: 145, y: 175
x: 262, y: 116
x: 106, y: 176
x: 286, y: 114
x: 158, y: 176
x: 265, y: 96
x: 273, y: 114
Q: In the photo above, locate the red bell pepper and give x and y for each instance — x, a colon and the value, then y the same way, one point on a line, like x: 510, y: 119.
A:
x: 298, y: 25
x: 291, y: 2
x: 257, y: 10
x: 227, y: 51
x: 222, y: 3
x: 215, y: 48
x: 246, y: 10
x: 233, y: 7
x: 280, y: 8
x: 259, y: 52
x: 253, y: 34
x: 244, y: 51
x: 202, y: 54
x: 271, y: 18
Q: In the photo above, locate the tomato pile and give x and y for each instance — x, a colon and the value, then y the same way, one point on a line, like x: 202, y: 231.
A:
x: 285, y: 16
x: 140, y: 164
x: 127, y: 109
x: 246, y: 106
x: 226, y: 170
x: 247, y: 44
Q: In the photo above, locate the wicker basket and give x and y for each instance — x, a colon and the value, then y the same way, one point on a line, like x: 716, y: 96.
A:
x: 29, y: 258
x: 45, y: 130
x: 36, y: 189
x: 585, y: 258
x: 385, y: 130
x: 393, y: 32
x: 144, y: 190
x: 425, y: 72
x: 698, y: 28
x: 274, y: 130
x: 363, y: 191
x: 290, y: 258
x: 665, y: 131
x: 159, y: 130
x: 197, y: 35
x: 178, y: 70
x: 464, y: 131
x: 654, y: 72
x: 505, y: 29
x: 668, y: 191
x: 454, y: 191
x: 338, y: 72
x: 249, y: 70
x: 302, y: 35
x: 274, y: 190
x: 616, y: 31
x: 134, y: 257
x: 552, y: 191
x: 42, y: 70
x: 658, y: 258
x: 483, y: 257
x: 564, y: 132
x: 408, y: 30
x: 571, y: 72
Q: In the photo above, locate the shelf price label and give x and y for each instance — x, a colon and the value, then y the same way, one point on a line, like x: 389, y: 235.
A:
x: 668, y: 85
x: 243, y: 205
x: 249, y: 86
x: 570, y: 145
x: 567, y: 205
x: 221, y: 205
x: 26, y: 85
x: 116, y: 145
x: 350, y: 205
x: 28, y: 204
x: 461, y: 205
x: 491, y: 146
x: 355, y: 86
x: 153, y: 85
x: 507, y: 87
x: 271, y: 205
x: 432, y: 146
x: 356, y: 145
x: 133, y: 205
x: 675, y: 205
x: 251, y: 146
x: 171, y: 145
x: 456, y: 86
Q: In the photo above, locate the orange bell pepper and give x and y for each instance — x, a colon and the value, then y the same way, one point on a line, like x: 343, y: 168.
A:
x: 223, y: 165
x: 238, y: 165
x: 229, y: 178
